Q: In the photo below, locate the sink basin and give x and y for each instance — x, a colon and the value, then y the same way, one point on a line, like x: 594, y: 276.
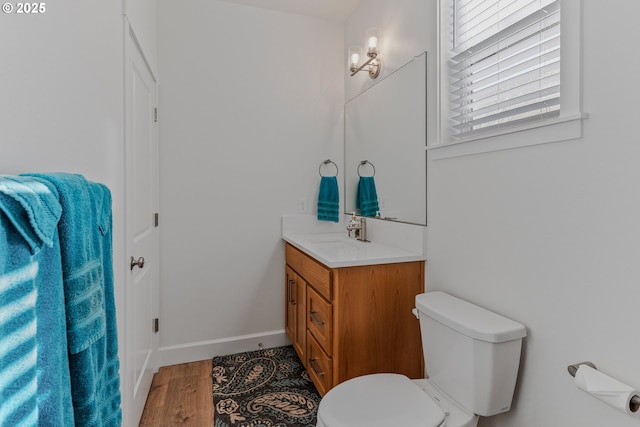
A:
x: 330, y: 244
x: 327, y: 238
x: 338, y: 249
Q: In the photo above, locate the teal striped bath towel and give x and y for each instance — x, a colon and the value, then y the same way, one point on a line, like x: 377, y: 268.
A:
x: 29, y: 213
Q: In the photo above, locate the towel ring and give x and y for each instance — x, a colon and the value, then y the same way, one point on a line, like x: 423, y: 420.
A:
x: 326, y: 162
x: 364, y: 162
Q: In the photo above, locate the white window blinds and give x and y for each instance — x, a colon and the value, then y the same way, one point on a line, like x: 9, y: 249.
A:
x: 503, y: 65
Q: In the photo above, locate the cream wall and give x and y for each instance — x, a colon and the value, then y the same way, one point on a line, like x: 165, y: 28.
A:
x: 250, y: 105
x: 547, y: 235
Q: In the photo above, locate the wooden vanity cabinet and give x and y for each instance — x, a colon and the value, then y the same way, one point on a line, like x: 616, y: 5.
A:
x: 295, y: 324
x: 351, y: 321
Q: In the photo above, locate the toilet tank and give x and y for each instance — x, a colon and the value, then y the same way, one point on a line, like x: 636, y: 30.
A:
x: 471, y: 353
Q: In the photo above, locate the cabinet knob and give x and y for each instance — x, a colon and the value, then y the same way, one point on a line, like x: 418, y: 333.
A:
x: 315, y: 318
x: 313, y: 366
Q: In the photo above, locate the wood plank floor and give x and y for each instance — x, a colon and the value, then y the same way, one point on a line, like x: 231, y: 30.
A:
x: 180, y: 395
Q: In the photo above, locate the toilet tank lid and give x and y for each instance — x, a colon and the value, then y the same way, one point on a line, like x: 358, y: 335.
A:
x: 469, y: 319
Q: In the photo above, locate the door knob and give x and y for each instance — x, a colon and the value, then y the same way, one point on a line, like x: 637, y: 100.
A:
x: 139, y: 262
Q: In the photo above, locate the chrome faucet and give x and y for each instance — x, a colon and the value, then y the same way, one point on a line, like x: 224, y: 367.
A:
x: 359, y: 228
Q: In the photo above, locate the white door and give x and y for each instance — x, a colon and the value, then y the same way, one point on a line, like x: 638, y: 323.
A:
x: 141, y: 182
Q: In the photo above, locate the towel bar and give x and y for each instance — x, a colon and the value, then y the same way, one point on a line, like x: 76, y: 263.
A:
x: 364, y: 162
x: 326, y: 162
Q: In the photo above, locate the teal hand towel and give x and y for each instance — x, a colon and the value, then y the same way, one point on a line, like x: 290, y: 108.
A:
x: 329, y: 199
x: 29, y: 213
x: 367, y: 197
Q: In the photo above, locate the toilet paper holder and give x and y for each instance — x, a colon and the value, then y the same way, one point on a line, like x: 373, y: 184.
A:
x: 635, y: 400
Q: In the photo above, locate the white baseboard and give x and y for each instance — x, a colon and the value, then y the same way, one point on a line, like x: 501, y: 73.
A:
x: 193, y: 352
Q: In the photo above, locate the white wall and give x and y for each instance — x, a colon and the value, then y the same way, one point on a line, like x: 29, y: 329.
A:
x: 547, y: 235
x: 61, y: 106
x: 61, y: 90
x: 250, y: 105
x: 141, y: 15
x: 407, y: 31
x: 61, y: 102
x: 61, y: 98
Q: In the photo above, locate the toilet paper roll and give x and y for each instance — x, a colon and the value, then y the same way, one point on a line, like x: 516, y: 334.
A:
x: 607, y: 389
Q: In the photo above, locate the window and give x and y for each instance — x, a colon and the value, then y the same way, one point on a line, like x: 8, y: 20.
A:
x: 503, y: 69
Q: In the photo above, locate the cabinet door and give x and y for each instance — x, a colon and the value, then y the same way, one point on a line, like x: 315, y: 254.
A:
x: 300, y: 338
x: 320, y: 320
x: 374, y: 328
x: 290, y: 303
x: 295, y: 321
x: 319, y: 365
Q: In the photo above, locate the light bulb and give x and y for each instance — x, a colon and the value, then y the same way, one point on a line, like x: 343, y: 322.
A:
x: 373, y: 42
x: 355, y: 60
x: 355, y: 53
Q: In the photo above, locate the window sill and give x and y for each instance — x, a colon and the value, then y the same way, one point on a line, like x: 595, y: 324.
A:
x: 561, y: 129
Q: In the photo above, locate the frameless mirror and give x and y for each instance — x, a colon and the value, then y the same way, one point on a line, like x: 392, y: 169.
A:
x: 385, y: 137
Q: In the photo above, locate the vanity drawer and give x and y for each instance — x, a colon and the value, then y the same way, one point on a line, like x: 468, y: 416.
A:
x: 320, y: 319
x: 316, y: 274
x: 319, y: 365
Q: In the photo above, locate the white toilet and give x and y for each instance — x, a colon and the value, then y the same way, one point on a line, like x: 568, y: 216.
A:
x: 471, y: 356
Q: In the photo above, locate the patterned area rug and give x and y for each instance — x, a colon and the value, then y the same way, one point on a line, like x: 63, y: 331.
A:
x: 265, y: 388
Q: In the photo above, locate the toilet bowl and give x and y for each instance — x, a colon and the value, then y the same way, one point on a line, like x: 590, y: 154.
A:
x: 472, y: 357
x: 384, y: 400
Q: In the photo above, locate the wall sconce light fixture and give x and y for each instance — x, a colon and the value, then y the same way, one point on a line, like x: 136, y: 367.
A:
x: 374, y: 62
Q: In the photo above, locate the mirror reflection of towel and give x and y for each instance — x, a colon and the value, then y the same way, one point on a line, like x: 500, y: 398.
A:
x: 329, y: 199
x: 367, y: 197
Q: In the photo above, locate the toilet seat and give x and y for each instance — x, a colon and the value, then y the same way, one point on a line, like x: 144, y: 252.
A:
x: 379, y: 400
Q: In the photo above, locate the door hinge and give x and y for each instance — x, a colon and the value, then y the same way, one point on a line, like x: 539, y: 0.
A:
x: 156, y: 325
x: 156, y: 219
x: 155, y: 114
